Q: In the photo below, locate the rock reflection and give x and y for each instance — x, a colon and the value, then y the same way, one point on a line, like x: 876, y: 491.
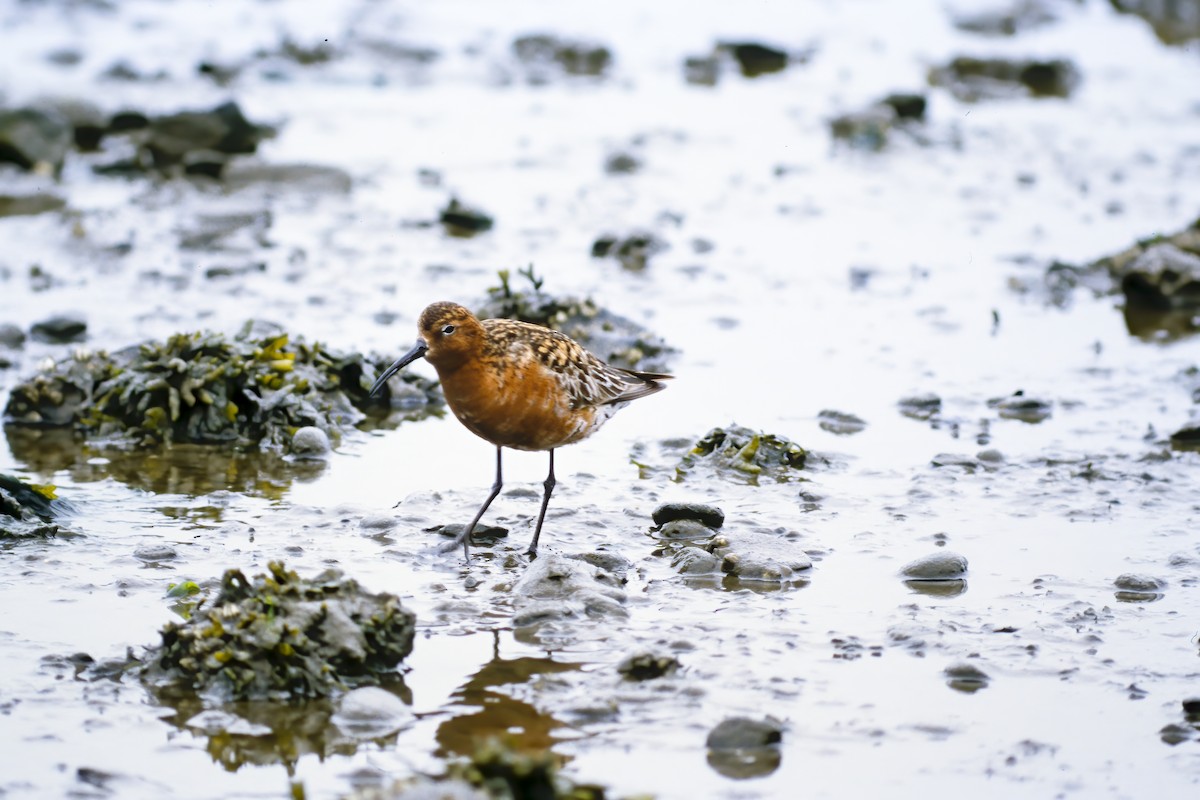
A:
x: 185, y: 469
x: 264, y: 733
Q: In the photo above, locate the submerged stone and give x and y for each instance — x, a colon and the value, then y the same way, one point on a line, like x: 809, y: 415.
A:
x: 35, y: 139
x: 689, y: 529
x: 633, y: 250
x: 60, y: 329
x: 755, y: 58
x: 739, y: 733
x: 555, y: 588
x: 840, y: 423
x: 1163, y: 277
x: 648, y: 666
x: 541, y: 53
x: 765, y: 557
x: 463, y: 220
x: 283, y: 636
x: 1022, y: 407
x: 972, y: 79
x: 28, y: 511
x: 966, y: 677
x: 742, y: 454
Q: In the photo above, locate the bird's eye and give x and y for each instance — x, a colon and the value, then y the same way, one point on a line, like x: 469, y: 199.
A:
x: 449, y: 329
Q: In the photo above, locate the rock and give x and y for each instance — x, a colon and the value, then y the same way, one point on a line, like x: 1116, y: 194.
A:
x: 633, y: 251
x: 743, y: 733
x: 11, y: 336
x: 686, y: 529
x: 555, y: 588
x: 371, y: 712
x: 760, y: 557
x: 940, y: 566
x: 613, y: 338
x: 541, y: 53
x: 755, y: 59
x: 224, y: 130
x: 28, y: 194
x: 310, y: 442
x: 647, y: 666
x: 866, y: 129
x: 1191, y: 706
x: 1173, y: 23
x: 737, y: 452
x: 695, y: 561
x: 60, y: 329
x: 613, y: 563
x: 1163, y: 277
x: 907, y: 105
x: 464, y: 221
x: 702, y: 70
x: 1021, y: 407
x: 711, y: 516
x: 1007, y: 20
x: 1174, y: 733
x: 970, y: 79
x: 281, y: 636
x: 35, y: 139
x: 1138, y: 583
x: 966, y: 462
x: 155, y: 552
x: 966, y: 677
x: 482, y: 532
x: 28, y: 511
x: 840, y: 423
x: 921, y: 406
x: 622, y: 164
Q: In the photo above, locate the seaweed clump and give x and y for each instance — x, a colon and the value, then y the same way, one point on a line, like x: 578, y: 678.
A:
x: 615, y: 339
x: 739, y: 452
x: 257, y: 387
x: 283, y: 637
x: 504, y: 772
x: 28, y: 511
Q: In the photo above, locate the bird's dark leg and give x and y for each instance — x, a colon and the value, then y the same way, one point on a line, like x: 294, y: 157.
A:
x: 549, y: 484
x: 464, y: 538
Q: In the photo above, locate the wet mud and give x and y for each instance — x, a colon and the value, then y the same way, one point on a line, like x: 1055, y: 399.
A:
x: 917, y: 515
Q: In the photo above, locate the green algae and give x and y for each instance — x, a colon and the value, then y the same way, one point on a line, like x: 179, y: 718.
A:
x: 281, y: 636
x: 257, y: 387
x: 743, y: 454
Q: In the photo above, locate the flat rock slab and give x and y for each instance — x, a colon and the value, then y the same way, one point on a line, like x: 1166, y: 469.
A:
x: 556, y: 588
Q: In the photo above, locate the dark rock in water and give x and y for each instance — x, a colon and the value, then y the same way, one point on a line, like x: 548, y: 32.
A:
x: 557, y: 589
x: 224, y: 130
x: 1163, y: 277
x: 756, y: 59
x: 281, y: 636
x: 711, y: 516
x: 760, y: 557
x: 541, y: 53
x: 921, y: 406
x: 840, y: 423
x: 971, y: 79
x: 253, y: 388
x: 462, y: 220
x: 60, y: 329
x: 737, y: 452
x: 1138, y: 583
x: 1174, y: 733
x: 28, y: 511
x: 88, y: 123
x: 1191, y: 706
x: 614, y: 339
x: 648, y: 666
x: 966, y: 677
x: 11, y: 336
x: 633, y: 251
x: 126, y: 121
x: 907, y: 105
x: 622, y: 164
x: 940, y: 566
x: 35, y: 139
x: 866, y: 129
x: 481, y: 533
x: 741, y: 733
x: 1173, y: 22
x: 1186, y: 439
x: 1007, y: 20
x: 1022, y: 407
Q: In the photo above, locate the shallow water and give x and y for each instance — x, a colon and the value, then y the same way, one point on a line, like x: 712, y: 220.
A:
x: 771, y: 330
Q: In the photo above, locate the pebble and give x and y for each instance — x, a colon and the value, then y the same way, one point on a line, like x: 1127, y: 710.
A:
x: 11, y: 335
x: 1132, y: 582
x: 59, y: 329
x: 761, y: 557
x: 155, y: 552
x: 684, y: 529
x: 711, y: 516
x: 647, y: 666
x: 371, y: 712
x: 941, y: 566
x: 310, y: 442
x: 695, y: 561
x: 966, y: 677
x: 741, y: 733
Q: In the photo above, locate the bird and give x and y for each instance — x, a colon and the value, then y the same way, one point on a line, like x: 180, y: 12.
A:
x: 519, y: 385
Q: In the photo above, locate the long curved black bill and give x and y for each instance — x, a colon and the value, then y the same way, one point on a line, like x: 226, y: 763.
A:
x: 402, y: 362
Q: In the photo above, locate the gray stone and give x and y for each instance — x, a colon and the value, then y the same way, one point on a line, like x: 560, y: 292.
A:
x: 60, y: 328
x: 761, y: 557
x: 940, y: 566
x: 685, y: 529
x: 11, y: 335
x: 310, y: 442
x: 695, y: 561
x: 742, y: 733
x: 558, y: 588
x: 371, y: 712
x: 647, y: 666
x: 155, y: 552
